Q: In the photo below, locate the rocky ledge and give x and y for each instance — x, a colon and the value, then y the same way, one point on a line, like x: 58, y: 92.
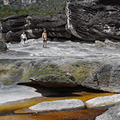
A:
x: 65, y: 64
x: 87, y: 20
x: 72, y: 63
x: 61, y: 64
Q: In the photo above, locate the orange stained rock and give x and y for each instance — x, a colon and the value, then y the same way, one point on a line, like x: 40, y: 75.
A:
x: 19, y: 106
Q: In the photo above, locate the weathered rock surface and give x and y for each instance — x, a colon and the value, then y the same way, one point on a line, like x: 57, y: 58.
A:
x: 112, y: 113
x: 106, y: 78
x: 94, y: 20
x: 107, y: 43
x: 103, y: 101
x: 15, y: 93
x: 3, y: 46
x: 70, y: 62
x: 20, y: 71
x: 33, y: 25
x: 55, y: 79
x: 86, y: 20
x: 78, y: 59
x: 58, y: 105
x: 44, y: 72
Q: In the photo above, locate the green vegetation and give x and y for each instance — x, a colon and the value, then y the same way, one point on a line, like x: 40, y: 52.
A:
x: 83, y: 70
x: 6, y: 11
x: 50, y: 7
x: 11, y: 74
x: 80, y: 70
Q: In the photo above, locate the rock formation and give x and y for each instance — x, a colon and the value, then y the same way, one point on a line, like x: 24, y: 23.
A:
x: 3, y: 46
x: 34, y: 25
x: 86, y: 20
x: 41, y: 72
x: 94, y: 20
x: 106, y: 78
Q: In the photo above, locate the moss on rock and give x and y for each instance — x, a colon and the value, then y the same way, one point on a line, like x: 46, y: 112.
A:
x: 64, y: 74
x: 83, y: 70
x: 45, y: 73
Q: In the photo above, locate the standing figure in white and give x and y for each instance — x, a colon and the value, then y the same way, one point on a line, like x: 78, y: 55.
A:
x: 23, y: 37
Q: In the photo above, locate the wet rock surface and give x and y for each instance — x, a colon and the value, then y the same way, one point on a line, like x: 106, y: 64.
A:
x: 103, y: 101
x: 112, y: 113
x: 58, y: 105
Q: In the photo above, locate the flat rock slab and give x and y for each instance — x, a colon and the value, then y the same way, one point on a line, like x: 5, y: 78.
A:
x: 103, y: 101
x: 61, y: 50
x: 58, y: 105
x: 16, y: 93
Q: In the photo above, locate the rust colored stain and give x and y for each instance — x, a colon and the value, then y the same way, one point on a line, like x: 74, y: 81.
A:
x: 70, y: 115
x: 21, y: 111
x: 21, y: 106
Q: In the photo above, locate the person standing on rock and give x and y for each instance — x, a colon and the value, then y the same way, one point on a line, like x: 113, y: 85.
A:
x: 44, y: 38
x: 23, y: 37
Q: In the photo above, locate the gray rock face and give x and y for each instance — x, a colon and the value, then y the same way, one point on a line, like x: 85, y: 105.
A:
x: 12, y: 27
x: 103, y: 101
x: 94, y: 20
x: 106, y: 78
x: 58, y: 105
x: 70, y: 62
x: 85, y: 20
x: 50, y: 79
x: 33, y: 25
x: 20, y: 71
x: 15, y: 93
x: 112, y: 113
x: 3, y: 46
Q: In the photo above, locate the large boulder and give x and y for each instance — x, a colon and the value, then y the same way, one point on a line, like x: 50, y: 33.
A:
x: 106, y: 78
x: 33, y: 25
x: 64, y: 75
x: 92, y: 20
x: 44, y: 73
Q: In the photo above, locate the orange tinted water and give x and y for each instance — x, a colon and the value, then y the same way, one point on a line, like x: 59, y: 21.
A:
x: 71, y: 115
x: 20, y: 107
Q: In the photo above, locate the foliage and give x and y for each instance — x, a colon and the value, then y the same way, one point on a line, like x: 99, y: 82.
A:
x: 48, y: 7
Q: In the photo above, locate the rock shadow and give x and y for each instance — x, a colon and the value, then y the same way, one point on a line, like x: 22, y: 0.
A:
x: 59, y: 91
